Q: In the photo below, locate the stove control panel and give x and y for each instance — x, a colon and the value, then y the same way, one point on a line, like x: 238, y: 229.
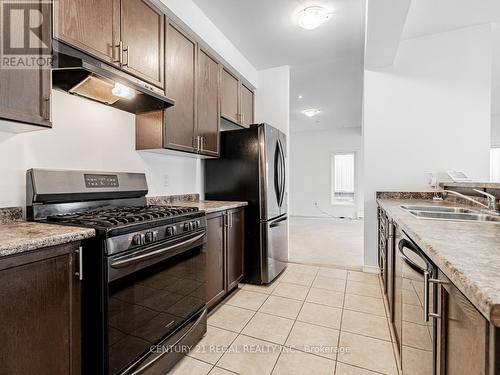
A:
x: 156, y: 234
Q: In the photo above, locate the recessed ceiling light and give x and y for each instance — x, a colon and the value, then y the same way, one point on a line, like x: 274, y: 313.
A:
x: 300, y: 96
x: 312, y: 17
x: 311, y: 112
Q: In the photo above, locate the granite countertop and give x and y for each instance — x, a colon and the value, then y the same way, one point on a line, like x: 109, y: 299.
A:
x: 192, y: 200
x: 214, y: 206
x: 467, y: 252
x: 21, y: 236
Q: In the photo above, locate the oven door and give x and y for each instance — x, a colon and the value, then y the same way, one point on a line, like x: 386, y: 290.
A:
x: 153, y: 293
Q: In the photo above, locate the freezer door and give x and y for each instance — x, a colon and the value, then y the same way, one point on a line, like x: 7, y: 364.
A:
x: 274, y: 248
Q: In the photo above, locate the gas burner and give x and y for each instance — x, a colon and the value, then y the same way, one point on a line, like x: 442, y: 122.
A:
x: 121, y: 215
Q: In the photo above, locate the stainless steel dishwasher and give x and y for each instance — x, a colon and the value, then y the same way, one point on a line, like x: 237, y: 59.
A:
x: 415, y: 304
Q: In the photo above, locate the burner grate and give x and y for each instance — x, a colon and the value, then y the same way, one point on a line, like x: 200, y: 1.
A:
x: 121, y: 216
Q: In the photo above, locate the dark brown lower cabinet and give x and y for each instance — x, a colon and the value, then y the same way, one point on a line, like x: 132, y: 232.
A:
x: 457, y: 339
x: 40, y: 323
x: 225, y: 253
x: 462, y: 333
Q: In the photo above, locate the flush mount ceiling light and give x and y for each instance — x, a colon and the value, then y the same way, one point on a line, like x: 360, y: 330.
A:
x: 312, y: 17
x: 311, y: 112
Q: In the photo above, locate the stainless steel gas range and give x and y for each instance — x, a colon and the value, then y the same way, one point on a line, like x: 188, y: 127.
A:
x: 143, y: 275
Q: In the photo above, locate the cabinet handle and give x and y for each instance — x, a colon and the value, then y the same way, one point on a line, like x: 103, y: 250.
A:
x: 120, y: 52
x: 230, y: 216
x: 126, y: 49
x: 119, y: 46
x: 46, y: 108
x: 80, y: 263
x: 202, y: 141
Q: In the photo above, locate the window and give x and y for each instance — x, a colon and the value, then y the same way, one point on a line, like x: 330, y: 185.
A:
x: 495, y: 165
x: 343, y: 176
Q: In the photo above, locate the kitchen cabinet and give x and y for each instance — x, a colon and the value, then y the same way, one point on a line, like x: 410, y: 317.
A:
x: 216, y: 288
x: 237, y: 100
x: 457, y: 338
x: 192, y: 81
x: 225, y: 253
x: 462, y: 338
x: 235, y: 237
x: 40, y: 310
x: 142, y: 40
x: 247, y: 106
x: 208, y: 108
x: 126, y: 33
x: 25, y: 94
x: 230, y: 100
x: 180, y: 124
x: 91, y: 26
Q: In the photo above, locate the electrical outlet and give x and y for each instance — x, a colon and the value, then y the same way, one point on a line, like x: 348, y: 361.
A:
x: 165, y: 180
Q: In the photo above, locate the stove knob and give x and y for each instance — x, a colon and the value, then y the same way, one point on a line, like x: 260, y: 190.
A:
x: 139, y: 239
x: 198, y: 223
x: 170, y: 231
x: 192, y: 225
x: 186, y: 226
x: 151, y: 236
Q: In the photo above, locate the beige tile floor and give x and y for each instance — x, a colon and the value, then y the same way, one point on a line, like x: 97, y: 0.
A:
x: 311, y: 320
x: 326, y: 242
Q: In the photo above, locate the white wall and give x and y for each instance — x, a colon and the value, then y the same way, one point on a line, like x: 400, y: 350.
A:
x: 89, y: 135
x: 495, y: 130
x: 310, y: 171
x: 191, y: 15
x: 430, y: 111
x: 272, y: 98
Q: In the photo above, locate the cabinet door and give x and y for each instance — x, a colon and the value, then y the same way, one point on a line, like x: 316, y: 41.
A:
x: 462, y: 333
x: 235, y: 247
x: 40, y: 313
x: 25, y: 93
x: 215, y: 258
x: 142, y: 35
x: 92, y: 26
x: 246, y: 106
x: 180, y: 86
x: 208, y: 103
x: 229, y: 97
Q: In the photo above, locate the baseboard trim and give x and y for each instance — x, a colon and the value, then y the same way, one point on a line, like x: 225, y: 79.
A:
x: 371, y: 269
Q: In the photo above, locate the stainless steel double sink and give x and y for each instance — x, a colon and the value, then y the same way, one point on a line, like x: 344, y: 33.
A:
x: 450, y: 213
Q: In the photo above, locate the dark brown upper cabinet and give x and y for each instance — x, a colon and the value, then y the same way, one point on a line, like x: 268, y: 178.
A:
x: 230, y: 100
x: 25, y: 94
x: 237, y: 100
x: 126, y: 33
x: 247, y: 106
x: 92, y: 26
x: 208, y: 109
x: 180, y: 75
x: 142, y: 40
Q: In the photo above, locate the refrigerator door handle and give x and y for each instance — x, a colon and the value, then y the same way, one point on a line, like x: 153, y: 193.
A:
x: 277, y: 173
x: 282, y: 173
x: 278, y: 222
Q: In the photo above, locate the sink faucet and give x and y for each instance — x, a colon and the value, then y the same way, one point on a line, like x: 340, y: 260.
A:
x: 492, y: 200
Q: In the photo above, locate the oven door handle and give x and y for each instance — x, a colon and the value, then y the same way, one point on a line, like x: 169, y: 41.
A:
x: 126, y: 261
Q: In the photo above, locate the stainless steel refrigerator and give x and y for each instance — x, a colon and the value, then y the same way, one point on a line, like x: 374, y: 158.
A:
x: 252, y: 167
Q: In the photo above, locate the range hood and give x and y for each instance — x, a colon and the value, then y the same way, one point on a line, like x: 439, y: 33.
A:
x: 80, y: 74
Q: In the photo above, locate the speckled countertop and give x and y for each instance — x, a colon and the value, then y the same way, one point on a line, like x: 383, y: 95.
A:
x: 467, y: 252
x: 207, y: 206
x: 20, y: 236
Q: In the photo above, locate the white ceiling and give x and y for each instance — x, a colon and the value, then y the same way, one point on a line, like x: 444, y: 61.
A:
x: 326, y: 63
